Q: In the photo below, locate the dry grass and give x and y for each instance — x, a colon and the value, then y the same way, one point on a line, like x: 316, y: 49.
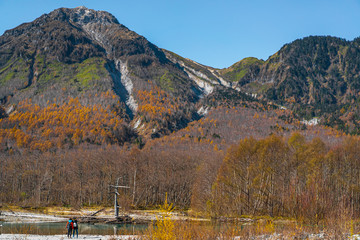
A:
x: 260, y: 229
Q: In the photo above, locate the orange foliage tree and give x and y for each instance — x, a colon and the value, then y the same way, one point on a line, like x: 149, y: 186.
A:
x: 69, y: 124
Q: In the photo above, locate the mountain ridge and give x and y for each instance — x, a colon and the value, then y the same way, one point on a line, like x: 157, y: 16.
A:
x: 86, y: 54
x: 316, y: 76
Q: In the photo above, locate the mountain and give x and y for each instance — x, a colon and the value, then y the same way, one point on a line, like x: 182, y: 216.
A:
x: 81, y: 50
x: 314, y: 76
x: 84, y: 61
x: 89, y: 56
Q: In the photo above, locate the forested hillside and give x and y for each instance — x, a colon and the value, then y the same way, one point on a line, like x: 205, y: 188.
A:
x: 314, y: 76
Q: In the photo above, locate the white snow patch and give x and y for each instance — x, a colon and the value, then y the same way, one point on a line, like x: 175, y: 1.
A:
x: 126, y: 81
x: 213, y: 72
x: 200, y: 74
x: 197, y: 73
x: 10, y: 109
x: 203, y: 111
x: 253, y: 95
x: 222, y: 81
x: 237, y: 89
x: 137, y: 124
x: 204, y: 83
x: 206, y: 87
x: 99, y: 37
x: 311, y: 122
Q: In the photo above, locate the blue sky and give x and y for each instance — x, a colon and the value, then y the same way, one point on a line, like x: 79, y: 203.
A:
x: 217, y: 33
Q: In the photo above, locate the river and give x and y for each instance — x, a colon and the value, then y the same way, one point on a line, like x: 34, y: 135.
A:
x: 55, y: 228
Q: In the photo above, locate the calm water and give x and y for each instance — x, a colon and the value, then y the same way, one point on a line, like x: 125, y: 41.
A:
x: 50, y: 228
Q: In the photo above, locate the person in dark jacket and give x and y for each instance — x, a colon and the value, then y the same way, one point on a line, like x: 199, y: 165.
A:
x: 75, y: 229
x: 69, y: 227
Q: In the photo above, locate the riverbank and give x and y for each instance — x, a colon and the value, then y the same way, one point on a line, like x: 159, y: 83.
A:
x: 86, y: 215
x: 29, y: 217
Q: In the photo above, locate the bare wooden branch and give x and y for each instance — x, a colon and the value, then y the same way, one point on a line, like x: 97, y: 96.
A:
x: 93, y: 214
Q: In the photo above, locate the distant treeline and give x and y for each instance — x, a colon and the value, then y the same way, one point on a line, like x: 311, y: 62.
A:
x: 272, y: 176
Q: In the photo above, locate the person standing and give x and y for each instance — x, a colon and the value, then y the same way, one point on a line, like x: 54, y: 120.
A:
x: 76, y: 227
x: 69, y: 227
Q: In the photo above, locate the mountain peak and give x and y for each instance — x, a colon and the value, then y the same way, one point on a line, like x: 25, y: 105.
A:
x: 83, y: 15
x: 81, y: 7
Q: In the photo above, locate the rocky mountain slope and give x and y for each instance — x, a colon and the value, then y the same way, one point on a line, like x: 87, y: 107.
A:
x: 79, y: 48
x: 88, y: 55
x: 315, y: 76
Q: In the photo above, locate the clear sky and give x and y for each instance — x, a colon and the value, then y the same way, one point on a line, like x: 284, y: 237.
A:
x: 217, y: 33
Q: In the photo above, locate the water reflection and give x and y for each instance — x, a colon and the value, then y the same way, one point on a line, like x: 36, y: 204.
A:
x: 51, y: 228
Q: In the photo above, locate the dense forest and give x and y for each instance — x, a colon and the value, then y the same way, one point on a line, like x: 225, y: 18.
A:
x: 292, y: 177
x: 276, y: 176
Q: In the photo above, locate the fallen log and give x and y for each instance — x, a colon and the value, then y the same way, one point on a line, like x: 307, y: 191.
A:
x: 93, y: 214
x: 121, y: 220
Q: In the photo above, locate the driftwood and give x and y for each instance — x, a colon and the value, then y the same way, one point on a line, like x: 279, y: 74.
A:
x: 90, y: 220
x: 93, y: 214
x: 119, y: 220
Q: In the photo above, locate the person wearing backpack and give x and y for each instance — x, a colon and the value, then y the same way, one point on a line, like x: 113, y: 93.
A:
x: 76, y: 227
x: 69, y: 227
